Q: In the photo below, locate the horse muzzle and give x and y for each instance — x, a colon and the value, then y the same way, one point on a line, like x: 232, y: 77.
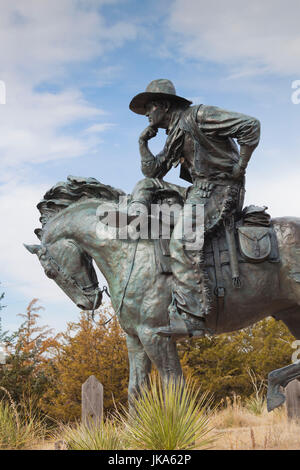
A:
x: 90, y: 301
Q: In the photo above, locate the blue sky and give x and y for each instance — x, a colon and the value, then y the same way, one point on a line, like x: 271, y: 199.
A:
x: 71, y: 68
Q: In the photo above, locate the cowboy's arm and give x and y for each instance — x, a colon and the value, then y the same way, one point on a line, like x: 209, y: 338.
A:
x: 245, y: 129
x: 152, y: 167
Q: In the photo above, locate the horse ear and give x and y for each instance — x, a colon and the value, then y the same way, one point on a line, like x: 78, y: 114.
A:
x: 34, y: 249
x: 38, y: 232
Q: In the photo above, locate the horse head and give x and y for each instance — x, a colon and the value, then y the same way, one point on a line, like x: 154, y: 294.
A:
x: 71, y: 268
x: 62, y: 258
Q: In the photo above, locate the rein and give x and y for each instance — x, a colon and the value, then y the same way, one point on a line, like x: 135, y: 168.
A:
x: 104, y: 289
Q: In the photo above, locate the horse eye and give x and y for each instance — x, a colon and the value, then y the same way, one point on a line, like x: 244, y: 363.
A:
x: 50, y: 273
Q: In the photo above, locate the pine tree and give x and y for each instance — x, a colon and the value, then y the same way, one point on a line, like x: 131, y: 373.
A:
x: 29, y: 349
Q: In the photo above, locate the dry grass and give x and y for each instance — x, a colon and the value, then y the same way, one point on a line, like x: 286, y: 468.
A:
x: 238, y: 428
x: 20, y: 427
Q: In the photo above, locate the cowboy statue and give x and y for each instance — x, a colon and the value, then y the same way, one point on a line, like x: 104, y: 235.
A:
x: 200, y: 139
x: 164, y: 289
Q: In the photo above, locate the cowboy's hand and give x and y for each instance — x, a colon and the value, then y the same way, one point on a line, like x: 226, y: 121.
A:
x: 148, y: 134
x: 237, y: 171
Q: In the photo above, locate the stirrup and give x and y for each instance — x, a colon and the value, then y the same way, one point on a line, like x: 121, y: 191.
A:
x: 178, y: 331
x: 178, y: 328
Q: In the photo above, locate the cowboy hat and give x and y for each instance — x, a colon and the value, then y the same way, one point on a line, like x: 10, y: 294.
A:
x: 156, y: 90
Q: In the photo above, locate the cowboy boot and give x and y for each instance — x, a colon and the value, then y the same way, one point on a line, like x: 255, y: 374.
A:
x: 182, y: 325
x: 191, y: 300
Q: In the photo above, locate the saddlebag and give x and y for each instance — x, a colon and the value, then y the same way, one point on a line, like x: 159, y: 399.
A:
x: 255, y: 243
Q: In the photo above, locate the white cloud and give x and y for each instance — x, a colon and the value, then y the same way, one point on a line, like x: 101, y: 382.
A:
x: 106, y: 75
x: 98, y: 128
x: 31, y: 126
x: 253, y: 37
x: 39, y: 41
x: 19, y: 217
x: 37, y: 35
x: 280, y: 191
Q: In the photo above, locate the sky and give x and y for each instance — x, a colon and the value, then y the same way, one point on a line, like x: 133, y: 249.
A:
x: 69, y: 69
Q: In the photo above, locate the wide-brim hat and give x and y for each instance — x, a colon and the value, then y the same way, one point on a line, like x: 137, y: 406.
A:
x: 156, y: 90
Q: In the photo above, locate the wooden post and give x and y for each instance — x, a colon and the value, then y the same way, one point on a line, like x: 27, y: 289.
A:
x: 92, y: 401
x: 292, y: 394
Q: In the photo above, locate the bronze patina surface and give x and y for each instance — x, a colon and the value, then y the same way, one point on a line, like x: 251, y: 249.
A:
x: 200, y: 139
x: 248, y: 267
x: 71, y: 237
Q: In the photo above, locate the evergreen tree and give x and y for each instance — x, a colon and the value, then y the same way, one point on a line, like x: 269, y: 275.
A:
x: 221, y: 364
x: 28, y: 353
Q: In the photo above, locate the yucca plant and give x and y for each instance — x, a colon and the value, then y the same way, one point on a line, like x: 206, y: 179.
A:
x: 256, y: 405
x: 90, y: 436
x: 173, y: 416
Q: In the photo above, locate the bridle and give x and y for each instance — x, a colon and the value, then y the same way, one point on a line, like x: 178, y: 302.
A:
x: 52, y: 273
x: 54, y: 268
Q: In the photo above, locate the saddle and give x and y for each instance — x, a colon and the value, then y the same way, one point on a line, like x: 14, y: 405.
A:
x: 250, y: 238
x: 247, y: 238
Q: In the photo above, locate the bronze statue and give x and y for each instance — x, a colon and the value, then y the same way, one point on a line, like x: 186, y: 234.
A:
x: 161, y: 290
x: 71, y: 236
x: 200, y: 138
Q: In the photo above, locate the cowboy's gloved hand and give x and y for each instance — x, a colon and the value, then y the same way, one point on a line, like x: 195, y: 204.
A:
x: 237, y: 171
x: 148, y: 134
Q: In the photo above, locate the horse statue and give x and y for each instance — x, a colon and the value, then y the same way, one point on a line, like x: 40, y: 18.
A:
x: 72, y: 237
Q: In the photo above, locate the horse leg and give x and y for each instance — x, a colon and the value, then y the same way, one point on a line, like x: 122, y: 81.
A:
x: 281, y: 377
x: 163, y: 353
x: 139, y: 366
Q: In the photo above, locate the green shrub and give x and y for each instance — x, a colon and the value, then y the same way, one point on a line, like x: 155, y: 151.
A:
x: 256, y: 405
x: 169, y: 417
x: 17, y: 431
x: 106, y: 436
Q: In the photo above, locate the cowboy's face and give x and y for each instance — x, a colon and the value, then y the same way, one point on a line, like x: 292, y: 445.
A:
x: 157, y: 114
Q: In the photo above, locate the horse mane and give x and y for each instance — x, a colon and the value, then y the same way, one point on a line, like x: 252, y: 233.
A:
x: 65, y: 193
